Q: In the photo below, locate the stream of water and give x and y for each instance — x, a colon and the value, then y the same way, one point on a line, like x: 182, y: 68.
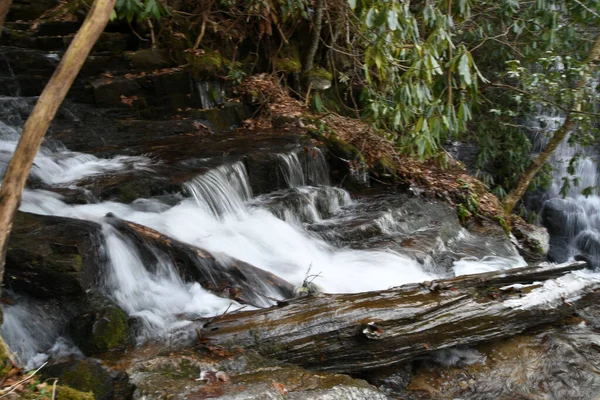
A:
x: 220, y: 214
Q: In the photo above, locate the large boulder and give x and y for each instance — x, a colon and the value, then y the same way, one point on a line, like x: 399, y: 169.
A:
x: 564, y: 219
x: 53, y: 257
x: 101, y: 327
x: 91, y: 376
x: 588, y: 243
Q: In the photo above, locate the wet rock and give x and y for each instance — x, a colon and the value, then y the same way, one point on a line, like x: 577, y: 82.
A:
x: 163, y: 92
x: 28, y: 10
x: 67, y: 393
x: 91, y: 376
x: 392, y: 381
x: 557, y: 362
x: 149, y: 59
x: 563, y: 218
x: 52, y: 256
x: 347, y: 163
x: 532, y: 241
x: 249, y: 376
x: 588, y: 243
x: 102, y: 327
x: 57, y: 28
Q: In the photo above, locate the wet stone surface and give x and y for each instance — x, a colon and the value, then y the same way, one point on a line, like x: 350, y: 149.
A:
x: 241, y: 376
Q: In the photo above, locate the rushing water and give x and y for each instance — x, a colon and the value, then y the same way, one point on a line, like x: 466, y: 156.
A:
x: 572, y: 219
x: 222, y: 216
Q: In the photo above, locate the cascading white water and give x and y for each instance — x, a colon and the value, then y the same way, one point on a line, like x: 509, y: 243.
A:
x: 222, y: 217
x: 573, y: 219
x: 291, y: 170
x: 32, y: 331
x: 210, y: 93
x: 223, y: 189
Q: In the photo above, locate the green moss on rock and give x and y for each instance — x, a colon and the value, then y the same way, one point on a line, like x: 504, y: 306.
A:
x: 210, y: 62
x: 103, y: 329
x: 385, y: 167
x: 343, y: 149
x: 67, y: 393
x: 84, y: 376
x: 288, y: 60
x: 320, y: 73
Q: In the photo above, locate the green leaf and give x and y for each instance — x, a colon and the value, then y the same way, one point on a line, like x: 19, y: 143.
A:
x: 392, y: 19
x: 464, y: 69
x: 370, y: 20
x: 352, y: 4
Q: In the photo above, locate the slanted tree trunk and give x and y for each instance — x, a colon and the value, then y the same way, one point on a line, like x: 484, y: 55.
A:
x: 4, y: 7
x: 316, y: 36
x: 358, y: 332
x: 559, y: 135
x: 45, y: 109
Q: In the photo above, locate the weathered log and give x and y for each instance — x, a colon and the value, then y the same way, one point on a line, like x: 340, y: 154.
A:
x: 234, y: 279
x: 357, y: 332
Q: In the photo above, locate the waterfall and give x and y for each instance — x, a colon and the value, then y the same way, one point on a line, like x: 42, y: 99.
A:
x: 32, y: 329
x: 223, y: 189
x: 210, y: 94
x: 291, y: 169
x: 160, y: 300
x: 573, y: 221
x: 222, y: 216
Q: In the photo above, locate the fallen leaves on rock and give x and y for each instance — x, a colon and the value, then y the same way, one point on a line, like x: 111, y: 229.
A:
x: 430, y: 178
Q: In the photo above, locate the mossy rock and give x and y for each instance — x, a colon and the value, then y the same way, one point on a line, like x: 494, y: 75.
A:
x: 208, y: 63
x: 320, y: 73
x: 288, y: 60
x: 67, y: 393
x: 87, y: 376
x: 53, y: 257
x: 346, y: 162
x: 318, y: 78
x: 104, y: 328
x: 149, y: 58
x: 385, y: 167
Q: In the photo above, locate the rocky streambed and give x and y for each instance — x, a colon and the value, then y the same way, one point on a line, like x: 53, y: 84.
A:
x: 151, y: 210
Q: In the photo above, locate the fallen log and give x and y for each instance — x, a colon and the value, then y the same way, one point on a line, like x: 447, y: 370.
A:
x: 358, y: 332
x: 234, y: 279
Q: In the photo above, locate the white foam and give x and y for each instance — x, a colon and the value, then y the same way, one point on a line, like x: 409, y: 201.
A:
x: 566, y: 289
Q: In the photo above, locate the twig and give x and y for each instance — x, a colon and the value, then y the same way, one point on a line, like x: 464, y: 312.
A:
x: 16, y: 385
x: 54, y: 389
x: 135, y: 33
x: 587, y: 8
x: 202, y: 30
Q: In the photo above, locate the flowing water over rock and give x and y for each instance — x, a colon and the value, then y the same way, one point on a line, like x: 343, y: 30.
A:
x: 308, y: 226
x: 572, y: 219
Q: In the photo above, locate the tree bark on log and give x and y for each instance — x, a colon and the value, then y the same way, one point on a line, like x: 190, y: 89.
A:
x: 363, y: 331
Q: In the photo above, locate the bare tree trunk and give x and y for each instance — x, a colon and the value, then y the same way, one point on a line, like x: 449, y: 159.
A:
x: 559, y: 135
x: 4, y: 7
x: 38, y: 122
x: 316, y: 37
x: 362, y: 331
